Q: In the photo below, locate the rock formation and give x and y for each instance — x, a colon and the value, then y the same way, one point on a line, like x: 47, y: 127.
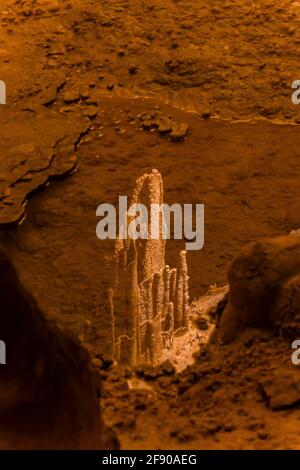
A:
x: 35, y: 148
x: 149, y: 300
x: 264, y: 288
x: 48, y: 391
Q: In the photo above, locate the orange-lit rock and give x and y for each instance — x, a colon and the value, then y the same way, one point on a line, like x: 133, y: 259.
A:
x: 149, y: 301
x: 264, y: 283
x: 48, y: 391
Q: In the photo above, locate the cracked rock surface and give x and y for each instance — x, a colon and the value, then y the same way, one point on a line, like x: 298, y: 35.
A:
x: 35, y: 147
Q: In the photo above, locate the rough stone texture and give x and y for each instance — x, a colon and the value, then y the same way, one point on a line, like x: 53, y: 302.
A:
x: 48, y: 392
x: 35, y: 146
x: 295, y: 232
x: 148, y: 301
x: 232, y: 59
x: 264, y: 288
x: 282, y: 388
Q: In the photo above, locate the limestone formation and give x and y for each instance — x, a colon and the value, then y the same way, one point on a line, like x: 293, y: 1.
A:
x: 149, y: 300
x: 264, y: 288
x: 35, y: 147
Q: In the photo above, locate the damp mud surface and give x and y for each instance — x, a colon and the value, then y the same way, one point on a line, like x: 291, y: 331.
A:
x: 108, y: 91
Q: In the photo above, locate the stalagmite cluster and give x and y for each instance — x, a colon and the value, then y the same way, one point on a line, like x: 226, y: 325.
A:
x: 148, y: 299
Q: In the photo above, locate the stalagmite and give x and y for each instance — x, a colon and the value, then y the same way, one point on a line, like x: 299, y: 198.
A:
x: 148, y: 300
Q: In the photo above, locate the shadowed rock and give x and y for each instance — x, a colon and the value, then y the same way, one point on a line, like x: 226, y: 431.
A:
x: 264, y: 288
x: 48, y: 392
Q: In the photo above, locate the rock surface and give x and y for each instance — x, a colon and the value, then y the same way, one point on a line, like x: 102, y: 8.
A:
x: 262, y: 279
x: 232, y: 59
x: 48, y: 392
x: 35, y: 147
x: 282, y: 389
